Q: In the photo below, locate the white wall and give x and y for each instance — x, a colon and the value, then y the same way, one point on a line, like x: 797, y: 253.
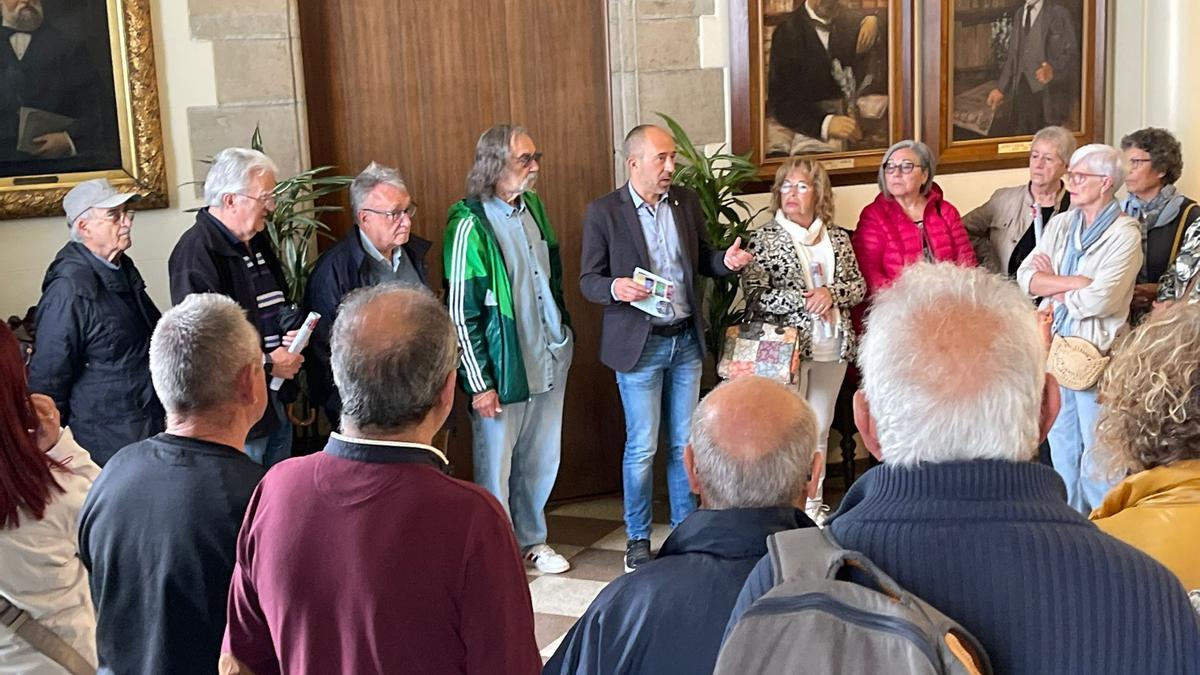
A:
x: 1154, y: 81
x: 185, y: 78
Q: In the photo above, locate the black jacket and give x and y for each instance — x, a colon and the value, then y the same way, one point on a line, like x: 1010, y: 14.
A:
x: 93, y: 351
x: 1158, y: 244
x: 801, y: 90
x: 339, y: 271
x: 613, y: 245
x: 206, y: 261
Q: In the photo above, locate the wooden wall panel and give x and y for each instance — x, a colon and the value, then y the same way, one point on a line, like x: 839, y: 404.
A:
x: 413, y: 84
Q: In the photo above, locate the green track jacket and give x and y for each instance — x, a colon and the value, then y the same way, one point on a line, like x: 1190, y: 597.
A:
x: 480, y: 299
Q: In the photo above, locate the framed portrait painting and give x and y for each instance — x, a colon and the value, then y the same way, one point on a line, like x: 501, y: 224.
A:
x: 829, y: 79
x: 1003, y: 69
x: 78, y: 100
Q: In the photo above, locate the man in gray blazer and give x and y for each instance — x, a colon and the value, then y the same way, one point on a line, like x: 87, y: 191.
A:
x: 657, y: 359
x: 1040, y: 76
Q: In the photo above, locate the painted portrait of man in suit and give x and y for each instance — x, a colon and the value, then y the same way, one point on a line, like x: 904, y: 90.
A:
x: 826, y: 73
x: 57, y: 102
x: 1017, y: 66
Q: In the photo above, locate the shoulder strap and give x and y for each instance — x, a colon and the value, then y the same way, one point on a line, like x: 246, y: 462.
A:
x: 814, y: 553
x: 42, y: 639
x: 1179, y: 232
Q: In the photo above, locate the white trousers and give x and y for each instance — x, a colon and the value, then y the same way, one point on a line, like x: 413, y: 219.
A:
x: 819, y: 384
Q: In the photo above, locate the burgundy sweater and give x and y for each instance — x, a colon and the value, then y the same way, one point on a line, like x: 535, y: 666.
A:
x: 359, y: 560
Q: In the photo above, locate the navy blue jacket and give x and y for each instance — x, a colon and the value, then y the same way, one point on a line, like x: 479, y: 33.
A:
x: 994, y: 546
x: 668, y: 615
x: 158, y: 534
x: 93, y: 351
x: 339, y: 271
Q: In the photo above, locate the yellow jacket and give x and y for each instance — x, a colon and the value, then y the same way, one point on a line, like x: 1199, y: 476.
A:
x: 1158, y: 511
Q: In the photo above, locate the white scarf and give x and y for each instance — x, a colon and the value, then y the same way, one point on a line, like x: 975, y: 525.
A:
x: 803, y: 237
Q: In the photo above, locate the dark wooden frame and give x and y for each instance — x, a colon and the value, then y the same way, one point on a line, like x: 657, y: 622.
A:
x: 1013, y: 151
x: 143, y: 163
x: 748, y: 100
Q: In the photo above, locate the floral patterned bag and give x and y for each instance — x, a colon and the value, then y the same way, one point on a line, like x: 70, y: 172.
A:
x: 760, y: 348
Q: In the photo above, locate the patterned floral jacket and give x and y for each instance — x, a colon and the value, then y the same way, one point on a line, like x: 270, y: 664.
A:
x: 776, y: 276
x: 1185, y: 266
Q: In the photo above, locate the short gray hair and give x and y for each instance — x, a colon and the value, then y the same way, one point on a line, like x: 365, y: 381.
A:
x: 953, y: 367
x: 633, y: 140
x: 1102, y: 159
x: 777, y: 476
x: 1062, y: 140
x: 390, y: 379
x: 73, y: 227
x: 231, y: 171
x: 492, y: 152
x: 372, y: 177
x: 1165, y: 153
x: 923, y: 153
x: 197, y: 350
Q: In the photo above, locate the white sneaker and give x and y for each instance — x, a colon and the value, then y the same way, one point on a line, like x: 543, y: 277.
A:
x: 817, y: 511
x: 546, y: 560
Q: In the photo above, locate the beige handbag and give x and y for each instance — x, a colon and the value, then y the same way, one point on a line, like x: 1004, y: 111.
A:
x: 1076, y: 363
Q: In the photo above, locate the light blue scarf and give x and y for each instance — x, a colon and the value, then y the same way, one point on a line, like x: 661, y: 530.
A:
x: 1073, y: 254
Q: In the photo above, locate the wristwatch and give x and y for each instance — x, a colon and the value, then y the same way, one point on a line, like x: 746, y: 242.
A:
x: 268, y: 362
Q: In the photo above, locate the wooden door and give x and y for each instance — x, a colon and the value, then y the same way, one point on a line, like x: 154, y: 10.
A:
x: 413, y: 84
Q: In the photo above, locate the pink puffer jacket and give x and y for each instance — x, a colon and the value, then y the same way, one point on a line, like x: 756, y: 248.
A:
x: 887, y: 240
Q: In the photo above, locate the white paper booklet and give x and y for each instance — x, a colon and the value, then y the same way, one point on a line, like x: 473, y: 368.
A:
x: 662, y: 292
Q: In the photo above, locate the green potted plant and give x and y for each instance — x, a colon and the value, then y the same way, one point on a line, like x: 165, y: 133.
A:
x: 717, y: 179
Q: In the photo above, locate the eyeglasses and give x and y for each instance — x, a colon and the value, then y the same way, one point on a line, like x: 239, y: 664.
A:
x: 267, y: 200
x: 1135, y: 161
x: 1077, y: 177
x: 785, y: 188
x: 116, y: 216
x: 410, y: 211
x: 906, y: 167
x: 528, y: 158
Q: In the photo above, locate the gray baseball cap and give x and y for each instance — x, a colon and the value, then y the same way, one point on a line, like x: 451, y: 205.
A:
x: 97, y: 193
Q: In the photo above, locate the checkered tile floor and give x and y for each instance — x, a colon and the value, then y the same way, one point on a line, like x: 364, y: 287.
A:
x: 591, y: 535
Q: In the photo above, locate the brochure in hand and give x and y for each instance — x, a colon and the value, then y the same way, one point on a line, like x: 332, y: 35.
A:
x: 662, y: 292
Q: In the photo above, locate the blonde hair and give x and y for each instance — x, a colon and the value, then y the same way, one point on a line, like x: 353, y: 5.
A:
x: 1150, y: 394
x: 822, y: 190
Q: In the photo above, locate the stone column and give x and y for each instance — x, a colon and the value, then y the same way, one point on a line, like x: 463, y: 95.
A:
x: 259, y: 78
x: 657, y: 66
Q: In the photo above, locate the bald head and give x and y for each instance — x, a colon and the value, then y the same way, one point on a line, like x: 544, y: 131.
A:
x: 393, y: 348
x: 953, y: 367
x: 752, y: 442
x: 642, y: 135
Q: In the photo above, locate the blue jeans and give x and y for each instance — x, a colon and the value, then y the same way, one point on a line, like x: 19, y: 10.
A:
x: 517, y: 453
x: 665, y: 381
x: 274, y: 448
x: 1071, y: 445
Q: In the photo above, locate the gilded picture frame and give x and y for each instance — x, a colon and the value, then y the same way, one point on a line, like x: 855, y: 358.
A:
x: 772, y: 124
x: 979, y: 50
x: 119, y: 138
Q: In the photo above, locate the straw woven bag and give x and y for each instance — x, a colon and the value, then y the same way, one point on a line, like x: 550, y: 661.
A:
x: 1076, y: 363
